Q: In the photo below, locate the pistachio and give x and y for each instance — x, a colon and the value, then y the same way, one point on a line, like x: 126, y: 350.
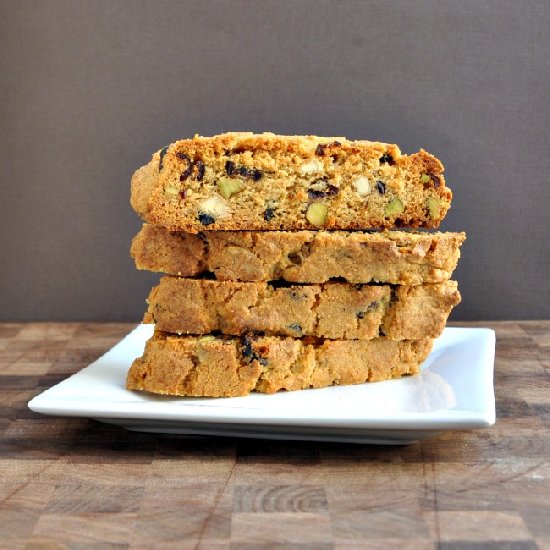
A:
x: 317, y: 213
x: 434, y: 207
x: 425, y: 178
x: 229, y: 187
x: 171, y: 190
x: 394, y: 207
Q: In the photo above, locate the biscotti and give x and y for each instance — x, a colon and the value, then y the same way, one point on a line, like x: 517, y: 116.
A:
x: 266, y: 182
x: 330, y: 310
x: 393, y: 257
x: 229, y: 366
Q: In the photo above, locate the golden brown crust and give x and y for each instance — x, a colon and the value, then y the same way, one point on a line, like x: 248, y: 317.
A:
x: 216, y: 367
x: 394, y: 257
x: 331, y: 310
x: 239, y: 181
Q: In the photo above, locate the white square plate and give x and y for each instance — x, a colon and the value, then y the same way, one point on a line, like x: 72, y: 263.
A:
x: 454, y: 391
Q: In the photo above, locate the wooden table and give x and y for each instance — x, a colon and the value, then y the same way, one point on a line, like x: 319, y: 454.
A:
x: 76, y: 483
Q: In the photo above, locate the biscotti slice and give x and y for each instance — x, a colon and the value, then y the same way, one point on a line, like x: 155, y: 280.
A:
x: 394, y: 257
x: 264, y: 182
x: 229, y: 366
x: 338, y: 311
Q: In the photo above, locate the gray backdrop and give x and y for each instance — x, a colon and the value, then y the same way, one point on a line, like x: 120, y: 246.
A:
x: 90, y: 89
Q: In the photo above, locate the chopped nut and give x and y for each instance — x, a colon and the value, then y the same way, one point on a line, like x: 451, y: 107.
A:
x: 171, y: 190
x: 434, y: 207
x: 424, y: 178
x: 214, y: 206
x: 362, y: 185
x: 317, y: 213
x: 229, y: 187
x: 311, y: 167
x: 394, y: 207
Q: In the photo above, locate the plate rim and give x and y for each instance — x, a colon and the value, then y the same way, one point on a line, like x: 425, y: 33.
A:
x: 430, y: 420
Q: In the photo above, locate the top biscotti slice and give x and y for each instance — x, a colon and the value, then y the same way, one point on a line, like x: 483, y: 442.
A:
x: 265, y: 182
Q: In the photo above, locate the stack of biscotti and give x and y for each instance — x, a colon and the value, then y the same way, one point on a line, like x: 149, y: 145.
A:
x: 287, y: 263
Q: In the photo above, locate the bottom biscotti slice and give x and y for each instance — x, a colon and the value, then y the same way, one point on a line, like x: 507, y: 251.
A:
x: 227, y: 366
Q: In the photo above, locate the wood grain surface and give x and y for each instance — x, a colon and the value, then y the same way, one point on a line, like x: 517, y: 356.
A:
x: 77, y: 483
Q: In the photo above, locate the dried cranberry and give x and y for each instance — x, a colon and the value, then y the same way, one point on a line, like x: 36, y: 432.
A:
x: 162, y: 153
x: 380, y: 187
x: 206, y: 219
x: 435, y: 179
x: 370, y: 307
x: 295, y: 258
x: 229, y: 168
x: 183, y: 156
x: 248, y: 352
x: 387, y: 158
x: 253, y: 173
x: 269, y: 214
x: 329, y: 191
x: 183, y: 194
x: 320, y: 150
x: 189, y: 169
x: 295, y: 328
x: 200, y: 170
